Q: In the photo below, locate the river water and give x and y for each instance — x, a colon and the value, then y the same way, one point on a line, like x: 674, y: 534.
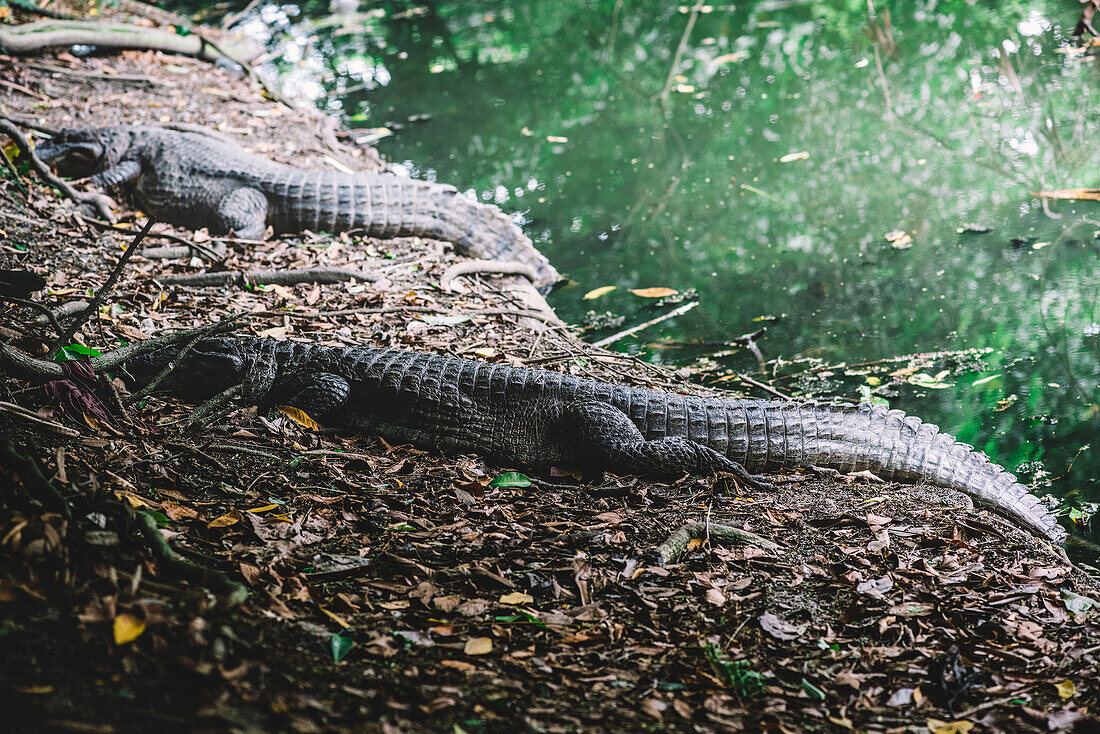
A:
x: 857, y: 179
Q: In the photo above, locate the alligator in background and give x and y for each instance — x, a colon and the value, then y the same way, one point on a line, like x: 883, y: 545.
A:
x: 196, y: 180
x: 539, y: 418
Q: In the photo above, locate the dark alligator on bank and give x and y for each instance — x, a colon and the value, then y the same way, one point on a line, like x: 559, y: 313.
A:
x: 537, y: 418
x: 198, y: 180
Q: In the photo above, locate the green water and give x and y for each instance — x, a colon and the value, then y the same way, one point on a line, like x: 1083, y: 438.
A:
x: 764, y: 165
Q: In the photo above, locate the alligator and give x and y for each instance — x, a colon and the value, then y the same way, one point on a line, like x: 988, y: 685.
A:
x: 538, y: 418
x: 196, y: 180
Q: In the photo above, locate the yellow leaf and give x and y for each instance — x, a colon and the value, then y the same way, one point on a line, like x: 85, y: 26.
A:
x: 516, y: 597
x: 229, y: 518
x: 299, y: 416
x: 335, y: 618
x: 597, y: 292
x: 265, y: 508
x: 136, y: 501
x: 695, y: 543
x: 478, y: 646
x: 5, y: 12
x: 127, y: 628
x: 1066, y: 689
x: 658, y: 292
x: 949, y: 727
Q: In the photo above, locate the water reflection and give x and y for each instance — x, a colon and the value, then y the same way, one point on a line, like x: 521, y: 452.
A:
x: 863, y: 181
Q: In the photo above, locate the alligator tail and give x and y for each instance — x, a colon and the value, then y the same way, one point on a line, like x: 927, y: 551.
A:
x: 889, y: 443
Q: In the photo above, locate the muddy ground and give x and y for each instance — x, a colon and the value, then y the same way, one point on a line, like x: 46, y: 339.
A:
x: 395, y: 589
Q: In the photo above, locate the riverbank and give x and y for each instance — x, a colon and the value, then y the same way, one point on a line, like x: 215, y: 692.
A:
x: 393, y: 589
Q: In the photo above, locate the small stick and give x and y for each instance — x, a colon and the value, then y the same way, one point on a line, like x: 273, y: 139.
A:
x: 37, y: 307
x: 634, y: 329
x: 102, y: 203
x: 27, y: 416
x: 101, y: 294
x: 280, y: 277
x: 677, y: 543
x: 766, y: 388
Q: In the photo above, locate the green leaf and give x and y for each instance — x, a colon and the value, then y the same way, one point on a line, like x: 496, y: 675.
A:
x: 1076, y: 603
x: 76, y: 351
x: 813, y: 691
x: 511, y: 479
x: 341, y: 646
x: 160, y: 518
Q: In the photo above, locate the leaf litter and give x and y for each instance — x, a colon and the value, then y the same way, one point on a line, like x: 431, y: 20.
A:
x: 397, y: 589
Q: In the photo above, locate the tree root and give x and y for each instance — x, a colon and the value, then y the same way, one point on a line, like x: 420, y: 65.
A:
x: 20, y: 413
x: 230, y: 592
x: 267, y: 277
x: 470, y: 267
x: 101, y: 202
x: 31, y: 38
x: 675, y: 545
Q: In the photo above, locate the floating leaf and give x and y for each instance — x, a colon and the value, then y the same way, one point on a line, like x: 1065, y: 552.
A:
x: 517, y: 597
x: 341, y: 646
x: 511, y: 479
x: 299, y: 416
x: 478, y: 646
x: 923, y: 379
x: 792, y: 157
x: 597, y: 292
x: 984, y: 380
x: 1079, y: 194
x: 127, y: 628
x: 657, y: 292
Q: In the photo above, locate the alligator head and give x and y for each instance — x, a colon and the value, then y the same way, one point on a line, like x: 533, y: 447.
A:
x: 213, y: 364
x: 80, y: 152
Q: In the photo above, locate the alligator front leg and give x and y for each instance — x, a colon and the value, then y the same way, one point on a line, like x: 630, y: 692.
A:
x: 607, y: 438
x: 124, y: 172
x: 243, y: 211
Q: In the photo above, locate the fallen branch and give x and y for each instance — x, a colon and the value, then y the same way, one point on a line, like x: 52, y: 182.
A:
x: 470, y: 267
x: 268, y: 277
x: 22, y: 363
x: 21, y: 413
x: 69, y: 308
x: 232, y: 594
x: 101, y: 293
x: 673, y: 547
x: 101, y: 202
x: 30, y: 38
x: 635, y: 329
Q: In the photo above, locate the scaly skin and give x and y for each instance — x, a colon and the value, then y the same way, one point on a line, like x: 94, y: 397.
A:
x: 197, y: 180
x: 539, y: 418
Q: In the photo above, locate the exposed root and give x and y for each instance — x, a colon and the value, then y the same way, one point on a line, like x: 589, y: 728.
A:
x: 266, y: 277
x: 470, y: 267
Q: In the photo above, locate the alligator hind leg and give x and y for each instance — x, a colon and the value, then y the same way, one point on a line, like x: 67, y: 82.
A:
x: 244, y: 212
x: 609, y: 439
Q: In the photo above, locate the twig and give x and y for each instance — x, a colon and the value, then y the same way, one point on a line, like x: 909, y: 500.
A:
x: 680, y: 49
x: 102, y: 203
x: 214, y: 253
x: 766, y: 388
x: 232, y: 593
x: 249, y: 69
x: 677, y: 543
x: 280, y: 277
x: 69, y: 308
x: 198, y: 416
x: 634, y: 329
x: 27, y: 416
x: 45, y: 312
x: 102, y: 293
x: 155, y: 382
